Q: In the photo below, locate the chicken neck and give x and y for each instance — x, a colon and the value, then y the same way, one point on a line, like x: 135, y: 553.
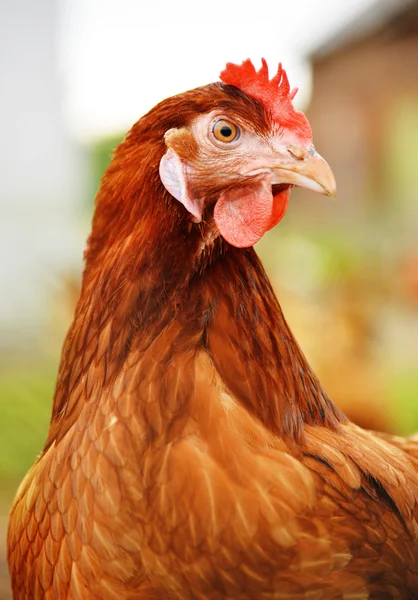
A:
x: 150, y: 272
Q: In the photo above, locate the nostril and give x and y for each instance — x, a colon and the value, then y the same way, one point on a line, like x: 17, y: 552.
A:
x: 297, y: 152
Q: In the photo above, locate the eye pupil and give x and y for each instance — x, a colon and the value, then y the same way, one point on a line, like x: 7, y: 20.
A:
x: 226, y: 131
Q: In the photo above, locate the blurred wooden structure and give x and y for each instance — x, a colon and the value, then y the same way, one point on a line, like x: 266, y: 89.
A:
x: 364, y: 114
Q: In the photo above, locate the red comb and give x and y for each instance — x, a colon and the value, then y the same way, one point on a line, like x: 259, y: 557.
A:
x: 274, y: 94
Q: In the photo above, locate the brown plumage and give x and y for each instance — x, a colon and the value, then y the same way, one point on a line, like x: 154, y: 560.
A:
x: 192, y: 452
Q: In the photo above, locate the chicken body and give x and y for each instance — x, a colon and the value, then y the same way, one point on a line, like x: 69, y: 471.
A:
x: 192, y: 453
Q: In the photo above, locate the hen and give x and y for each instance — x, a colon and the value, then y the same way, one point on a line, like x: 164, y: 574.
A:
x: 192, y: 453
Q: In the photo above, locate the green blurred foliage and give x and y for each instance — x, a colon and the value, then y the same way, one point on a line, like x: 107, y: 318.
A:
x: 26, y: 400
x: 403, y: 393
x: 101, y: 153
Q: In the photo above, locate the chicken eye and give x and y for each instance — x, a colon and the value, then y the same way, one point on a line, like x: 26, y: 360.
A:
x: 225, y: 131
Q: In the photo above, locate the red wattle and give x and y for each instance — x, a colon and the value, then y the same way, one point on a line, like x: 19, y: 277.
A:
x: 280, y: 204
x: 243, y: 215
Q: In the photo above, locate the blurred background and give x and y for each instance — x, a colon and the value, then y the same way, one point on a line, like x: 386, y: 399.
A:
x: 75, y: 75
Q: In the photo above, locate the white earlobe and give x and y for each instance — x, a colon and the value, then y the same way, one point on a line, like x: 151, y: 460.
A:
x: 172, y: 174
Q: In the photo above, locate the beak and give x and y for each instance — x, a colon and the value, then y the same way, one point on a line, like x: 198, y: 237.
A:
x: 306, y: 169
